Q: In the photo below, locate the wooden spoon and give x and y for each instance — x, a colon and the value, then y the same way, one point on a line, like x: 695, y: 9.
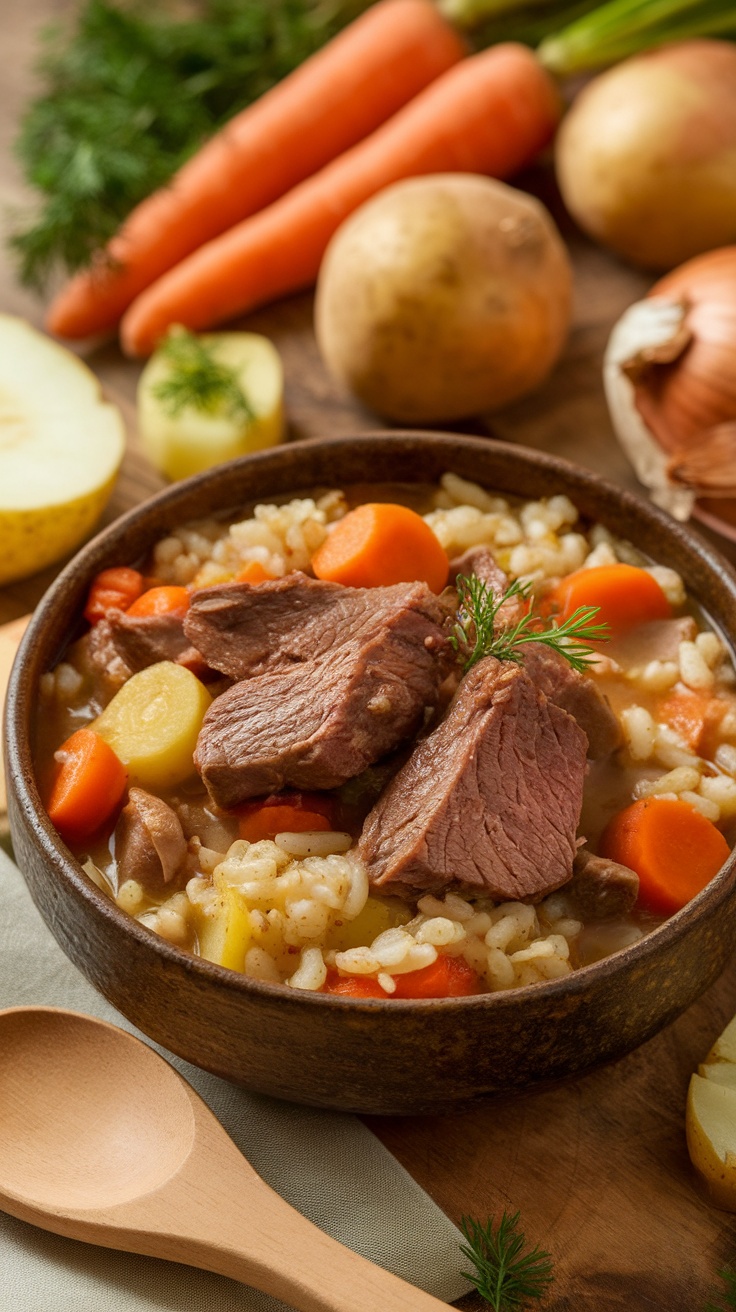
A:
x: 104, y: 1141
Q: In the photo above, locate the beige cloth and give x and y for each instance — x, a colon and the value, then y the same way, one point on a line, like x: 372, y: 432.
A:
x: 327, y: 1165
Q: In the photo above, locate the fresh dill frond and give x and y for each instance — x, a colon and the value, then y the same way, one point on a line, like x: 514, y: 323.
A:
x: 728, y: 1297
x: 476, y: 634
x: 504, y: 1274
x: 196, y: 380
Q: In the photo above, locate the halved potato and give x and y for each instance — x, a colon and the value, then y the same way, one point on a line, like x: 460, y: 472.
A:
x: 60, y: 450
x: 711, y: 1119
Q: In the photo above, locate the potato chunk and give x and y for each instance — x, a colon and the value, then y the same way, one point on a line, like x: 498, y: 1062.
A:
x: 153, y: 722
x: 224, y: 933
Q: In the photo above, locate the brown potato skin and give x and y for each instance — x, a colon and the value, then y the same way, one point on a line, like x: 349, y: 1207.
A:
x: 443, y: 297
x: 646, y: 157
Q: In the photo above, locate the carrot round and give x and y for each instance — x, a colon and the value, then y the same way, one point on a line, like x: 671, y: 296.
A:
x: 334, y: 99
x: 674, y: 850
x: 268, y: 821
x: 379, y: 543
x: 87, y: 787
x: 113, y: 589
x: 490, y: 114
x: 164, y: 600
x: 447, y: 977
x: 353, y: 986
x: 625, y: 596
x: 253, y: 572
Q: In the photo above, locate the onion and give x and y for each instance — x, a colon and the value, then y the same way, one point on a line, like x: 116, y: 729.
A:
x: 670, y: 379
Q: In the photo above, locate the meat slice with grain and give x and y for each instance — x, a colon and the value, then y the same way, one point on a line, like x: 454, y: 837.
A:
x: 490, y: 801
x: 149, y: 841
x: 120, y: 645
x: 336, y: 678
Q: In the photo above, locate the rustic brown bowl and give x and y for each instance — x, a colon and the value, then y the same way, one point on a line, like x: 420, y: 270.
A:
x: 368, y: 1056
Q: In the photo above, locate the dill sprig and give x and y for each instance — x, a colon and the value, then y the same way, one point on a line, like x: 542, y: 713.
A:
x: 477, y: 634
x: 198, y: 381
x: 727, y: 1298
x: 504, y: 1274
x: 127, y: 93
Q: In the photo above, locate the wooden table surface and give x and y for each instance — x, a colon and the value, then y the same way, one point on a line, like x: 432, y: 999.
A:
x: 599, y: 1167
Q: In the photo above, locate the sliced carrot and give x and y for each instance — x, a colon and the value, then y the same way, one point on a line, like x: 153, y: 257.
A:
x: 165, y: 600
x: 113, y: 589
x: 491, y: 114
x: 380, y: 543
x: 336, y: 98
x: 625, y: 596
x: 253, y: 572
x: 353, y: 986
x: 87, y: 787
x: 695, y: 717
x: 447, y: 977
x: 674, y: 850
x: 285, y: 813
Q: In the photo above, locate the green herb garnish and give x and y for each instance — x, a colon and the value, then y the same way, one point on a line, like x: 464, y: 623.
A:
x: 504, y: 1274
x: 128, y: 93
x: 197, y: 381
x: 476, y: 635
x: 728, y: 1297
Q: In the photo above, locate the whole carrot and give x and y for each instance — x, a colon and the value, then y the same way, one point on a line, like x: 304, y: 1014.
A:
x: 491, y: 114
x: 334, y: 99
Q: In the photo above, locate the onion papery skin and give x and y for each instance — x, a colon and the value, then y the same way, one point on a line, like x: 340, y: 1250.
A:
x: 697, y: 392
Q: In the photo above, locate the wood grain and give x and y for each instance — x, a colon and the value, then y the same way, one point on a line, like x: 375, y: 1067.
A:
x: 599, y: 1167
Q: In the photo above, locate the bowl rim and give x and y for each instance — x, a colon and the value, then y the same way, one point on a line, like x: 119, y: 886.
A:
x: 20, y: 770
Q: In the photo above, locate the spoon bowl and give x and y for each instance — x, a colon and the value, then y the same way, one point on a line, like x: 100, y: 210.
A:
x: 104, y: 1141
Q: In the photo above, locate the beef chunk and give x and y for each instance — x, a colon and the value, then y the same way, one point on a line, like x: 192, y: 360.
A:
x: 149, y: 841
x: 121, y: 645
x: 243, y: 630
x: 602, y: 888
x: 332, y: 689
x: 481, y: 562
x: 578, y: 695
x: 489, y: 801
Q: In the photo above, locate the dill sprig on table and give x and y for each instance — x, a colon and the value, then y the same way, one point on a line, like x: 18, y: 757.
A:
x: 196, y: 380
x: 128, y: 93
x: 504, y: 1274
x: 476, y: 635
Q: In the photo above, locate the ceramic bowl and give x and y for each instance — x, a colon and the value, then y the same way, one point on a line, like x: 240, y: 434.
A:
x: 370, y: 1056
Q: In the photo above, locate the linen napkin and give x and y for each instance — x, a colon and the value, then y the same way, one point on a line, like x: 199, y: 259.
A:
x: 327, y: 1165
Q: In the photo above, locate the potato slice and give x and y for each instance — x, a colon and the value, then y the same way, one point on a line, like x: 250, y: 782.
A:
x: 60, y: 450
x: 711, y: 1137
x: 224, y: 936
x: 153, y: 722
x: 188, y: 440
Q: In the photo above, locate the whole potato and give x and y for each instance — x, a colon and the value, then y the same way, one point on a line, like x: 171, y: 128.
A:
x: 442, y: 297
x: 646, y: 157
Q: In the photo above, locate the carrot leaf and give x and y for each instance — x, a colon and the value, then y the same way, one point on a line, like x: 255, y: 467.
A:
x: 506, y: 1273
x: 477, y: 633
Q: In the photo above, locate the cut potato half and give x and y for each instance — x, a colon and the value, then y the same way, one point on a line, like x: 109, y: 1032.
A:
x: 711, y: 1119
x: 185, y: 441
x: 61, y: 446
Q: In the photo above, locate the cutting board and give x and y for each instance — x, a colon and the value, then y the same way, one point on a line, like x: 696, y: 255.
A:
x: 598, y: 1167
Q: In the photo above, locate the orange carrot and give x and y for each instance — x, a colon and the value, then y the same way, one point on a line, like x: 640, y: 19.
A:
x: 336, y: 98
x: 695, y: 717
x: 113, y: 589
x: 285, y: 813
x: 491, y: 114
x: 253, y: 572
x: 625, y: 596
x: 447, y: 977
x: 674, y: 850
x: 87, y: 787
x: 164, y: 600
x: 380, y: 543
x: 353, y: 986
